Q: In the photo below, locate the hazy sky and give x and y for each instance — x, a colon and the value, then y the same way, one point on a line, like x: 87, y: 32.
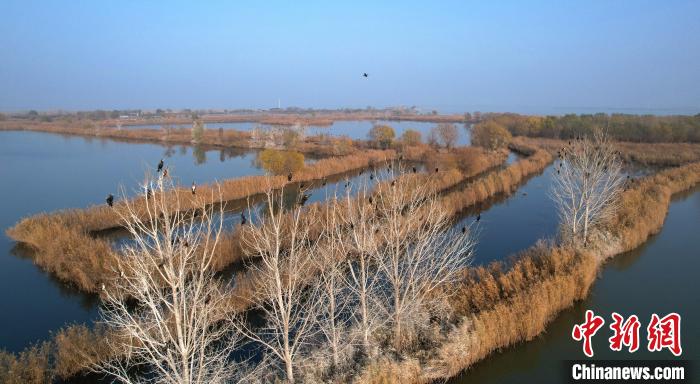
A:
x: 539, y: 57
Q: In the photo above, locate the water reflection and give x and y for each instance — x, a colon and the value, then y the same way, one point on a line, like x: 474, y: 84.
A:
x: 44, y: 172
x: 652, y: 278
x: 354, y: 129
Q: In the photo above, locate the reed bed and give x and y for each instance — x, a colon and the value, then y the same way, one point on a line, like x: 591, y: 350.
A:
x: 648, y: 154
x: 497, y: 305
x: 507, y: 303
x: 63, y: 243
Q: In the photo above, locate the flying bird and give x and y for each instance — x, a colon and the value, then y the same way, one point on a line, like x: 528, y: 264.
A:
x: 365, y: 74
x: 160, y: 165
x: 110, y: 200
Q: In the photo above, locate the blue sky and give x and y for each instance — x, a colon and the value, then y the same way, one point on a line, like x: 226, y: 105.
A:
x: 533, y: 57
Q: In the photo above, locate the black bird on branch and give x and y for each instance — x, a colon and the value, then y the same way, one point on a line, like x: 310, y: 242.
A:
x: 370, y: 199
x: 160, y: 165
x: 436, y: 170
x: 478, y: 217
x: 110, y: 200
x: 289, y: 177
x: 393, y: 183
x: 303, y: 200
x: 371, y: 176
x: 243, y: 218
x: 464, y: 230
x: 194, y: 188
x: 415, y: 170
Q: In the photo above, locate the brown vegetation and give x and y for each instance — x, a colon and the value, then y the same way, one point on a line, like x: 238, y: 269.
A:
x: 657, y: 154
x: 503, y: 304
x: 63, y: 243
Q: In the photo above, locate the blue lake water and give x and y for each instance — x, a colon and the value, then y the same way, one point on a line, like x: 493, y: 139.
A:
x: 356, y: 130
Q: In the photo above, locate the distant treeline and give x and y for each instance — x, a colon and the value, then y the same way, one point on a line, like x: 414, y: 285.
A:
x: 639, y: 128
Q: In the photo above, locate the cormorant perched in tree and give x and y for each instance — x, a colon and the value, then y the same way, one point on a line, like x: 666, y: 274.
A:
x: 243, y: 219
x: 347, y: 184
x: 160, y: 165
x: 436, y: 170
x: 370, y: 199
x: 110, y: 200
x: 371, y: 176
x: 478, y: 217
x: 304, y: 198
x: 393, y: 183
x: 194, y: 188
x: 464, y: 229
x: 289, y: 177
x: 415, y: 170
x: 149, y: 193
x: 301, y: 185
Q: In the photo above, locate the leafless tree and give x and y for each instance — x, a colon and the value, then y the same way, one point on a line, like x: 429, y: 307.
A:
x: 284, y: 293
x: 359, y: 237
x: 164, y: 303
x: 586, y: 185
x: 335, y: 306
x: 447, y: 134
x: 417, y: 252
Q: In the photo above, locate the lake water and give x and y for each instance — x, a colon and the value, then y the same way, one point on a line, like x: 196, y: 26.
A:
x: 45, y: 172
x: 660, y: 276
x: 356, y: 130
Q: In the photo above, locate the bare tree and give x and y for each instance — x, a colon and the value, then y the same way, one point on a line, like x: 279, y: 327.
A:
x: 586, y: 185
x: 360, y: 240
x: 164, y: 303
x: 417, y: 252
x: 334, y: 319
x: 284, y: 293
x: 447, y: 134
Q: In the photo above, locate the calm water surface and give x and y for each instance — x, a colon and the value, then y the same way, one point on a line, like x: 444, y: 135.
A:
x: 45, y: 172
x: 357, y: 130
x: 660, y: 276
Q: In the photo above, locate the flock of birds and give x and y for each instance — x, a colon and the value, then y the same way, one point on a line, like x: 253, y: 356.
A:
x: 160, y: 168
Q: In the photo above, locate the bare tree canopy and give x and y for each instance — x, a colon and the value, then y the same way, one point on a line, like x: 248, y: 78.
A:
x: 164, y: 304
x: 586, y: 185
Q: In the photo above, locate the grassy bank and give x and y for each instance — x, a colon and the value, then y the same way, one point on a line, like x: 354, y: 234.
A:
x: 656, y: 155
x: 506, y: 303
